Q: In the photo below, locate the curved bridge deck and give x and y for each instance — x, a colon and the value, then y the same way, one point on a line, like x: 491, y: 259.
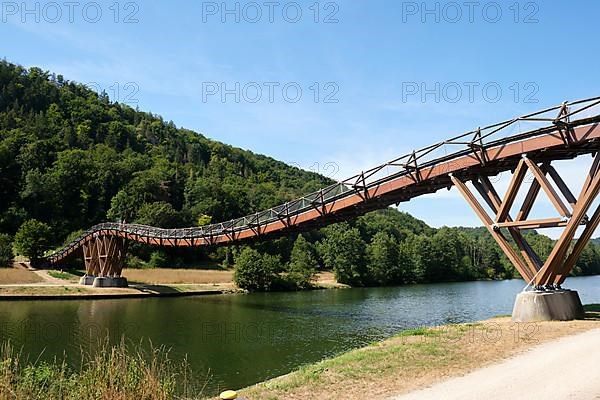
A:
x: 558, y: 133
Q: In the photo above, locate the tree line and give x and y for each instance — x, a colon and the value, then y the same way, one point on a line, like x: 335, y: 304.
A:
x: 388, y: 247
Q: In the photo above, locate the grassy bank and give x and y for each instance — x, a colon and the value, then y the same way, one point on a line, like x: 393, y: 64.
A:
x: 47, y: 284
x: 415, y: 359
x: 52, y: 292
x: 114, y: 373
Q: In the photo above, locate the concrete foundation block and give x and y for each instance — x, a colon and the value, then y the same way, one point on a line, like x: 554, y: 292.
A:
x: 87, y: 280
x: 555, y: 305
x: 106, y: 281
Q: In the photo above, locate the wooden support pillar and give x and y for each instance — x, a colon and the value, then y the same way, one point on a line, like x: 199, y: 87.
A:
x: 573, y: 214
x: 104, y: 256
x: 554, y: 264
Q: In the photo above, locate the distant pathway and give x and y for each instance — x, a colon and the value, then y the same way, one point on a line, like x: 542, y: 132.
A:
x: 567, y: 368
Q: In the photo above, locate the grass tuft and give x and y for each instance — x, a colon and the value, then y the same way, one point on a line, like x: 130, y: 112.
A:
x: 113, y: 372
x: 63, y: 275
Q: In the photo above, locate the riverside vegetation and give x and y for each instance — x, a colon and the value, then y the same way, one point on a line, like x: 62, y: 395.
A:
x: 113, y: 372
x: 71, y: 158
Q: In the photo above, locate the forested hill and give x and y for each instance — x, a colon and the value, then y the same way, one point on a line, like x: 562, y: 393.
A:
x: 71, y: 158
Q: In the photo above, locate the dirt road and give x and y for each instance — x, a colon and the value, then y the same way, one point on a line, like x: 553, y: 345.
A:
x: 567, y: 368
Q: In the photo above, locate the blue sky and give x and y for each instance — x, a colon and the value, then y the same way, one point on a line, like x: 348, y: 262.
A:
x: 361, y: 68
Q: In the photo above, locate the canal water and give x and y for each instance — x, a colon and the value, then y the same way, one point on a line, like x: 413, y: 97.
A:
x: 239, y: 340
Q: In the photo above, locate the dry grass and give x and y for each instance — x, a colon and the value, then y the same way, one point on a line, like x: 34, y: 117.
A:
x: 9, y: 276
x: 327, y: 280
x: 49, y: 291
x: 414, y: 359
x: 183, y: 276
x: 165, y: 276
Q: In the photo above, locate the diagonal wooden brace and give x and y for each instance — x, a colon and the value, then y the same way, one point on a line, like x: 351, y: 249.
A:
x: 497, y: 235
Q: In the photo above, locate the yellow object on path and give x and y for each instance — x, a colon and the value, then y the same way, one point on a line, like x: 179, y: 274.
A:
x: 228, y: 395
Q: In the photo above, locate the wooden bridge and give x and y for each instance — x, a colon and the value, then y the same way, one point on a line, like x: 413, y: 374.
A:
x: 525, y: 144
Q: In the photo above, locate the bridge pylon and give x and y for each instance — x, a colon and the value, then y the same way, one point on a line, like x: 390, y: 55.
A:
x: 545, y: 277
x: 104, y: 256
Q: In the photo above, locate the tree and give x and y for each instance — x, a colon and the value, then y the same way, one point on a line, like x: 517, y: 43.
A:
x: 383, y: 260
x: 303, y: 263
x: 6, y: 252
x: 122, y: 207
x: 158, y: 259
x: 256, y: 272
x: 419, y: 251
x: 32, y: 239
x: 343, y: 251
x: 160, y: 214
x: 204, y: 220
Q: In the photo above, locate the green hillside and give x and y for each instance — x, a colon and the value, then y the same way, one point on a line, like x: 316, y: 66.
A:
x: 71, y: 158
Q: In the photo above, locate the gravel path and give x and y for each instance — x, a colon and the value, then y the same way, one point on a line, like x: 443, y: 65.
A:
x: 568, y: 368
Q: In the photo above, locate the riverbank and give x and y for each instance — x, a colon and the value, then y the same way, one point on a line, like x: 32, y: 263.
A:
x: 23, y: 284
x: 416, y: 359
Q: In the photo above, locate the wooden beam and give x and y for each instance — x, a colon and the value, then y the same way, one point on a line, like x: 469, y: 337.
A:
x: 547, y: 187
x: 490, y: 195
x: 93, y: 254
x: 584, y: 239
x: 497, y: 235
x: 512, y: 191
x: 87, y: 257
x: 591, y: 173
x: 101, y: 255
x: 532, y: 194
x: 534, y: 223
x: 562, y: 186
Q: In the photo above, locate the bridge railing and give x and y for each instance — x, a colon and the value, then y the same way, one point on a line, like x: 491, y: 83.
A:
x: 471, y: 142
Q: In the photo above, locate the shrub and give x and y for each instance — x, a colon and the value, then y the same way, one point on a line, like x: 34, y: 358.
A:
x: 158, y: 259
x: 255, y: 271
x: 32, y: 239
x: 6, y: 252
x: 133, y: 262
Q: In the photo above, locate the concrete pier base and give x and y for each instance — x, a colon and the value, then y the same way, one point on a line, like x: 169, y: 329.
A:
x: 105, y: 281
x: 87, y: 280
x: 555, y: 305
